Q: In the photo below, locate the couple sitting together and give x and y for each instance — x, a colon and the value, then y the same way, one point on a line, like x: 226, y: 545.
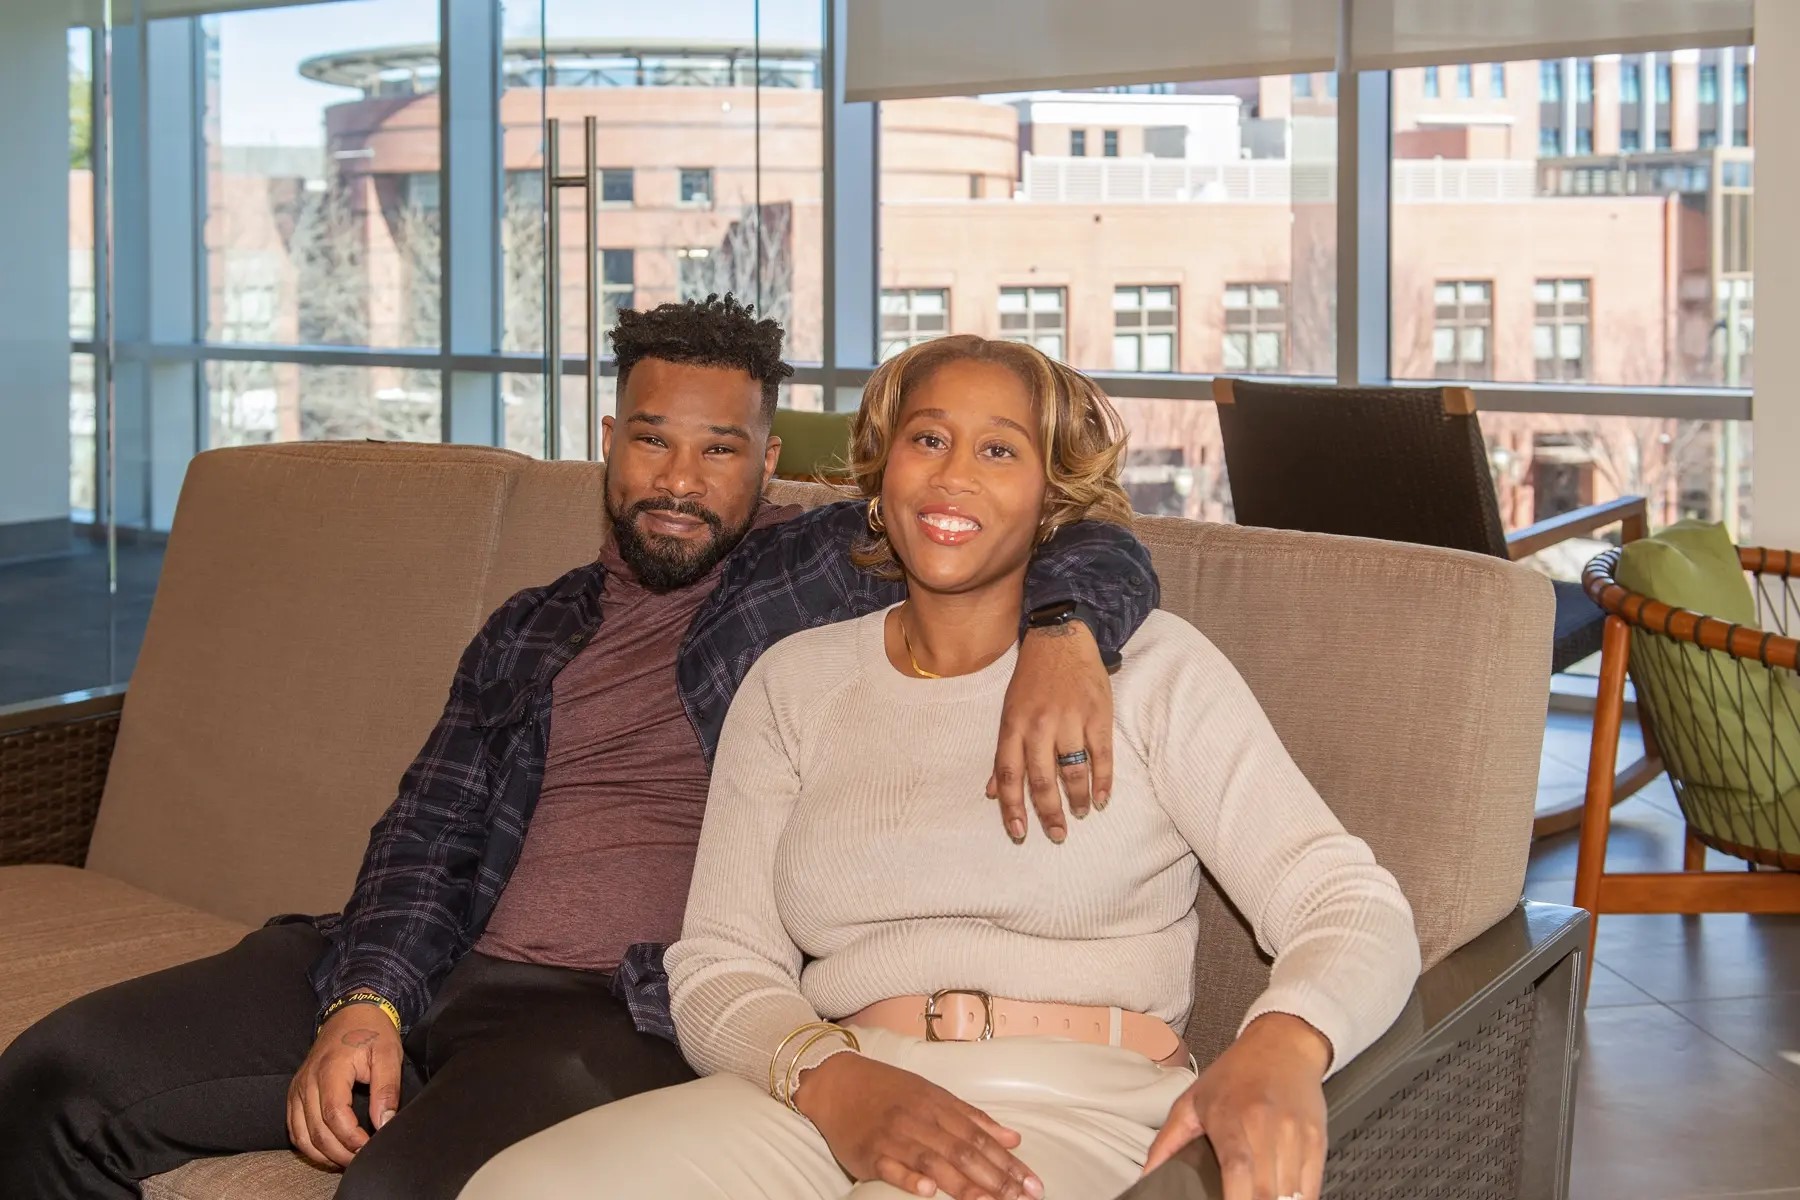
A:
x: 889, y: 983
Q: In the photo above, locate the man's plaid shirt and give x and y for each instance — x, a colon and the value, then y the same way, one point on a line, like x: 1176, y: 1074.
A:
x: 441, y: 854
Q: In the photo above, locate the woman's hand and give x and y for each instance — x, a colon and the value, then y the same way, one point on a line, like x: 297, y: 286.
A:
x: 888, y: 1124
x: 1262, y: 1105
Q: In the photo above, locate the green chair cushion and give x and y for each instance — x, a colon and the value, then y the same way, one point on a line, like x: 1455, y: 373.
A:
x: 1729, y: 729
x: 812, y: 443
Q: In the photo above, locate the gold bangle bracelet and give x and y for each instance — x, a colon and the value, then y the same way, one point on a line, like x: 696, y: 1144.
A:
x: 775, y: 1058
x: 850, y: 1042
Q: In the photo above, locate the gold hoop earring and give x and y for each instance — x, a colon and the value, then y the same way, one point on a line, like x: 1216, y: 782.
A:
x: 876, y: 526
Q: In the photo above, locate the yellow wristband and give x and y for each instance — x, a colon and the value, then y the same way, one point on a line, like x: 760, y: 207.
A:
x: 364, y: 997
x: 793, y: 1084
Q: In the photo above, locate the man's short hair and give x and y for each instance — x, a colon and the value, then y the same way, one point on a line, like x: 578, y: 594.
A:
x: 714, y: 332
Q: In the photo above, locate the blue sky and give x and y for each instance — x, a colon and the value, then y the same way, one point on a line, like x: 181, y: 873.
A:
x: 264, y: 100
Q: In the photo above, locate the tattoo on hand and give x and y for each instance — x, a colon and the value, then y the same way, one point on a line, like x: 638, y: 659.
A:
x: 359, y: 1037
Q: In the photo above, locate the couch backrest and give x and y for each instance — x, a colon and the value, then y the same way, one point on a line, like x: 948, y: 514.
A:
x: 315, y: 598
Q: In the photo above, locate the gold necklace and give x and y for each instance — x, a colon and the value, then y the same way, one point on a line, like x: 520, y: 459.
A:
x: 906, y: 640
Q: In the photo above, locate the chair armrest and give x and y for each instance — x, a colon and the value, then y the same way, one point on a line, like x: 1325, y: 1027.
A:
x: 1474, y: 1083
x: 53, y: 761
x: 1633, y: 511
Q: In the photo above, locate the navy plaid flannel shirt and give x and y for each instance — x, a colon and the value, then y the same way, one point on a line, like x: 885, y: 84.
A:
x: 441, y: 854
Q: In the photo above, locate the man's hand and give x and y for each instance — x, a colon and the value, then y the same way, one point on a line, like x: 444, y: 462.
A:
x: 1262, y: 1105
x: 357, y: 1045
x: 1060, y: 701
x: 885, y: 1123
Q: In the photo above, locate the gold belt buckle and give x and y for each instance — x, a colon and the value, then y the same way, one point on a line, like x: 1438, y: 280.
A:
x: 932, y: 1015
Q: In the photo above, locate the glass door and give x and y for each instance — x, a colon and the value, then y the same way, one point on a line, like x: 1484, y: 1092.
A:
x: 651, y: 154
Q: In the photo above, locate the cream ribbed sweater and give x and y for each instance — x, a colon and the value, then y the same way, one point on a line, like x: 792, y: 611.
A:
x: 849, y: 855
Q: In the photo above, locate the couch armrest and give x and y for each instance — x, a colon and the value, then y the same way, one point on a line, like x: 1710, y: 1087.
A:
x: 1632, y: 511
x: 1471, y: 1093
x: 53, y: 760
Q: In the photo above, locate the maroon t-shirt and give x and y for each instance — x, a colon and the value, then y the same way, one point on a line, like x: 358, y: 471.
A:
x: 610, y: 848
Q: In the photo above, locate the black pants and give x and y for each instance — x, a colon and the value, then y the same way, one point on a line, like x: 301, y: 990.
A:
x: 141, y: 1077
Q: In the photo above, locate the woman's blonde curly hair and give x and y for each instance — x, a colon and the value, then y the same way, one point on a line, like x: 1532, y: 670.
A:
x: 1082, y: 437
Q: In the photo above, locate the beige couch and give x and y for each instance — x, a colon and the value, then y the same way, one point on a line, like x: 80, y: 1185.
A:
x: 314, y: 599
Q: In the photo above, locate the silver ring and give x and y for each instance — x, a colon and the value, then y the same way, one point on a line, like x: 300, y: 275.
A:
x: 1073, y: 758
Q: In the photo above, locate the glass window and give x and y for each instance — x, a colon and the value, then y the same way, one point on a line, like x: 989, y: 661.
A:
x: 1497, y: 80
x: 1550, y: 87
x: 1431, y: 83
x: 84, y: 428
x: 1740, y: 136
x: 618, y: 185
x: 1465, y: 81
x: 249, y: 403
x: 1463, y: 316
x: 1709, y: 138
x: 697, y: 186
x: 1559, y: 338
x: 1740, y: 84
x: 1256, y: 319
x: 1303, y: 87
x: 1241, y: 197
x: 1664, y: 82
x: 1709, y: 84
x: 321, y: 197
x: 1109, y: 143
x: 912, y: 315
x: 1077, y: 143
x: 1584, y: 81
x: 1144, y: 325
x: 1331, y: 85
x: 1505, y: 216
x: 1631, y: 83
x: 1035, y: 315
x: 81, y: 186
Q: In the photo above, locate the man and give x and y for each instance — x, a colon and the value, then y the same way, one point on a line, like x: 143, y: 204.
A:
x: 498, y: 967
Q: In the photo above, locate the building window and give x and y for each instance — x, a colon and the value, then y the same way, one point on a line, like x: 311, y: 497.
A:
x: 1709, y: 138
x: 1549, y: 141
x: 1431, y: 83
x: 618, y: 282
x: 1463, y: 322
x: 1109, y: 143
x: 1709, y: 84
x: 1662, y: 139
x: 1497, y: 80
x: 1331, y: 84
x: 912, y: 315
x: 1665, y: 84
x: 1255, y: 327
x: 1584, y: 81
x: 1631, y: 83
x: 1303, y: 87
x: 1035, y: 315
x: 1550, y: 80
x: 1559, y: 339
x: 1740, y: 136
x: 1465, y: 82
x: 1077, y: 143
x: 1144, y: 329
x: 1740, y: 84
x: 618, y: 185
x: 1630, y: 141
x: 1584, y: 140
x: 697, y: 186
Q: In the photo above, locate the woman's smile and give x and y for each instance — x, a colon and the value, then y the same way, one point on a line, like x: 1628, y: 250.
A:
x: 948, y: 525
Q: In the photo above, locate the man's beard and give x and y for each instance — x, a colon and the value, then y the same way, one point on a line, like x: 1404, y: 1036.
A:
x: 665, y: 564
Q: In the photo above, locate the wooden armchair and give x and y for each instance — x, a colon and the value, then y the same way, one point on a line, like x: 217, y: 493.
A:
x: 1723, y: 701
x: 1407, y: 465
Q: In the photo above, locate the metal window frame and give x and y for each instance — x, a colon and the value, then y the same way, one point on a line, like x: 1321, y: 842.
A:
x: 473, y: 186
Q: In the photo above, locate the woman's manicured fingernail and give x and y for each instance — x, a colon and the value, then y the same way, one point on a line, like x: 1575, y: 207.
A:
x: 1080, y: 811
x: 1100, y: 799
x: 1016, y: 830
x: 1057, y: 834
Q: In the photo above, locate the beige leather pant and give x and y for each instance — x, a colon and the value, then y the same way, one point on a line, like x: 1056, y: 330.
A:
x: 1087, y: 1115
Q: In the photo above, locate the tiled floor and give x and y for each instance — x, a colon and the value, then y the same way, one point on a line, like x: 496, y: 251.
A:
x: 1689, y: 1084
x: 61, y: 630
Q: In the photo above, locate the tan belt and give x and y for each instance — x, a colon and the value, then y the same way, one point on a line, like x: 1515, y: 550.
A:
x: 967, y: 1015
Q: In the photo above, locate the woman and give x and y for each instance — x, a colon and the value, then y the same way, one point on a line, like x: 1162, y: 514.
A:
x: 854, y: 931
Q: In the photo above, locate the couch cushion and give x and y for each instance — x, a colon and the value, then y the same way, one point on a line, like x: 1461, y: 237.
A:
x: 268, y: 1175
x: 68, y: 932
x: 313, y: 603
